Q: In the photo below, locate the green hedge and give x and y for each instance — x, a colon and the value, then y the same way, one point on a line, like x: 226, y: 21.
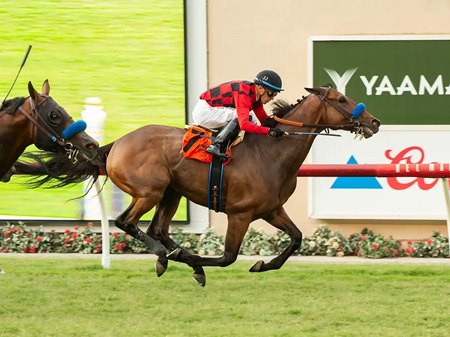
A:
x: 18, y: 238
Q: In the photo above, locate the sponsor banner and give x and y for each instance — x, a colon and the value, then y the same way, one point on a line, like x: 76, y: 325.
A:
x: 400, y: 79
x: 405, y: 82
x: 375, y: 197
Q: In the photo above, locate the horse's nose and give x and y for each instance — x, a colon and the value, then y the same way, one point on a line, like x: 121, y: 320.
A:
x: 92, y: 145
x: 376, y: 124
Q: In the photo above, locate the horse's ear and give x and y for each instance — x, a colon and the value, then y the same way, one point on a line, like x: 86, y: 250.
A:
x: 45, y: 88
x: 315, y: 91
x: 33, y: 93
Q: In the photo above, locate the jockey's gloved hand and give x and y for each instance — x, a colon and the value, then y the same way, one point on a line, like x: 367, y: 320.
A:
x: 269, y: 122
x: 276, y: 132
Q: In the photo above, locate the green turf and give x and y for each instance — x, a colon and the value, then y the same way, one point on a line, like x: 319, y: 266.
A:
x: 75, y: 297
x: 128, y: 53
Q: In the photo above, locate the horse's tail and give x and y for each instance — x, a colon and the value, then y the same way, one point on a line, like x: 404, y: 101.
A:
x: 56, y: 170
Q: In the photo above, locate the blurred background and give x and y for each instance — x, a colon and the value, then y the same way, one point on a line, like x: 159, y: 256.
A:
x: 130, y: 54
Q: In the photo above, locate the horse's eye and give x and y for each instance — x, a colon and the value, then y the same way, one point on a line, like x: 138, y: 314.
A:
x: 55, y: 117
x: 341, y: 100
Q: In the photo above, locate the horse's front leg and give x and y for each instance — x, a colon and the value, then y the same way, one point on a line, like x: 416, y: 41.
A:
x: 280, y: 220
x: 7, y: 176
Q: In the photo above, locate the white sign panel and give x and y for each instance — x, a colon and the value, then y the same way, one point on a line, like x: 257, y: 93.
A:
x: 374, y: 197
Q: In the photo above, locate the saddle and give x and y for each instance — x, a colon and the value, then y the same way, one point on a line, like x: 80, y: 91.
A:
x: 195, y: 141
x: 198, y: 138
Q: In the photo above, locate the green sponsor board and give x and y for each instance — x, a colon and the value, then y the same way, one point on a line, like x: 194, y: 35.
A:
x: 401, y: 81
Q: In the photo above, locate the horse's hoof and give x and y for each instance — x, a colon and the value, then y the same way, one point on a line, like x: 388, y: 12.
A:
x: 160, y: 267
x: 200, y: 279
x: 174, y: 254
x: 257, y: 266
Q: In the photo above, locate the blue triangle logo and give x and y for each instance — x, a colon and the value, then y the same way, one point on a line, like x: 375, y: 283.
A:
x: 356, y: 182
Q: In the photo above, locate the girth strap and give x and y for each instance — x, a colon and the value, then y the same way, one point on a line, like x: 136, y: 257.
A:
x: 215, y: 185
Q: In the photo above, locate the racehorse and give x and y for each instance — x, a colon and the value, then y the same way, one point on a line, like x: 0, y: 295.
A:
x: 39, y: 120
x: 147, y: 164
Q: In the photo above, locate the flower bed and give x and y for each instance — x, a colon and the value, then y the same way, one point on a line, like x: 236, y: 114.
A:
x: 18, y: 238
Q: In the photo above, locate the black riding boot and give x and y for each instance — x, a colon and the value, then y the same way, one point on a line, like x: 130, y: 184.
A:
x: 226, y: 134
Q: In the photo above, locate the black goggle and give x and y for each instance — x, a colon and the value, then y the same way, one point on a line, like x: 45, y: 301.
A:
x: 271, y: 93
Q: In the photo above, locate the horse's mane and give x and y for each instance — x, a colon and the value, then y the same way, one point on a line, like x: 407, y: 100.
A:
x: 10, y: 106
x: 281, y: 107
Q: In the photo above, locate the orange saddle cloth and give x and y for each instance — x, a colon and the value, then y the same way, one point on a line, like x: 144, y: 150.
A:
x: 195, y: 141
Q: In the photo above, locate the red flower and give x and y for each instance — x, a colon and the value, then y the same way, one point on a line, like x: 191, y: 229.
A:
x: 363, y: 237
x: 25, y: 249
x: 409, y: 242
x: 87, y: 240
x: 6, y: 234
x: 75, y: 228
x: 123, y: 245
x: 394, y: 252
x: 11, y: 230
x: 74, y: 235
x: 67, y: 240
x: 67, y: 231
x: 118, y: 246
x: 115, y: 234
x: 360, y: 243
x: 374, y: 246
x: 429, y: 242
x: 26, y: 234
x: 38, y: 239
x: 98, y: 249
x: 33, y: 249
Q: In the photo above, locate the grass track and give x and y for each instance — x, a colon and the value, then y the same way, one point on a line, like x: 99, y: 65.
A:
x: 75, y: 297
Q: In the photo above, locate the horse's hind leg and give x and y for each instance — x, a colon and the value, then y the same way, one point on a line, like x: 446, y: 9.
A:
x: 280, y: 220
x: 237, y: 227
x: 159, y: 230
x: 128, y: 221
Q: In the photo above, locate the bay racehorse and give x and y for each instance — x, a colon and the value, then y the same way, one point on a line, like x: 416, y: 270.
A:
x: 147, y: 164
x: 39, y: 120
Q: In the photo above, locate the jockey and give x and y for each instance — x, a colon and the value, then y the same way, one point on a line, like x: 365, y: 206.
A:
x: 238, y: 105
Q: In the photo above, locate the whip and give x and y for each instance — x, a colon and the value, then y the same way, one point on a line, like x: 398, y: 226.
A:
x: 20, y: 69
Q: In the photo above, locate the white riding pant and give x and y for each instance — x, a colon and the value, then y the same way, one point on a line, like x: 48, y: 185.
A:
x: 215, y: 117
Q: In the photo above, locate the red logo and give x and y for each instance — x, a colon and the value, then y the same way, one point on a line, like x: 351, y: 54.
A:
x: 410, y: 155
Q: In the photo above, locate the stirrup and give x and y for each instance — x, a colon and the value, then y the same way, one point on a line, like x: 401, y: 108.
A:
x: 214, y: 150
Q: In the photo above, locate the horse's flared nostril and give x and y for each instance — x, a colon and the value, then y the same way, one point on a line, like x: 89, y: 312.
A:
x: 376, y: 123
x: 92, y: 146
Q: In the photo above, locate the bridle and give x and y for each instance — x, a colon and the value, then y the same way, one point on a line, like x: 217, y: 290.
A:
x: 353, y: 125
x: 41, y: 124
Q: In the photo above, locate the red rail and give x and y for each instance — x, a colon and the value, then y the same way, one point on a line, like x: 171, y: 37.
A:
x: 432, y: 170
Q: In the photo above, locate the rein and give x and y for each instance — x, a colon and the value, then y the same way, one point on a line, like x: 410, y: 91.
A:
x: 352, y: 124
